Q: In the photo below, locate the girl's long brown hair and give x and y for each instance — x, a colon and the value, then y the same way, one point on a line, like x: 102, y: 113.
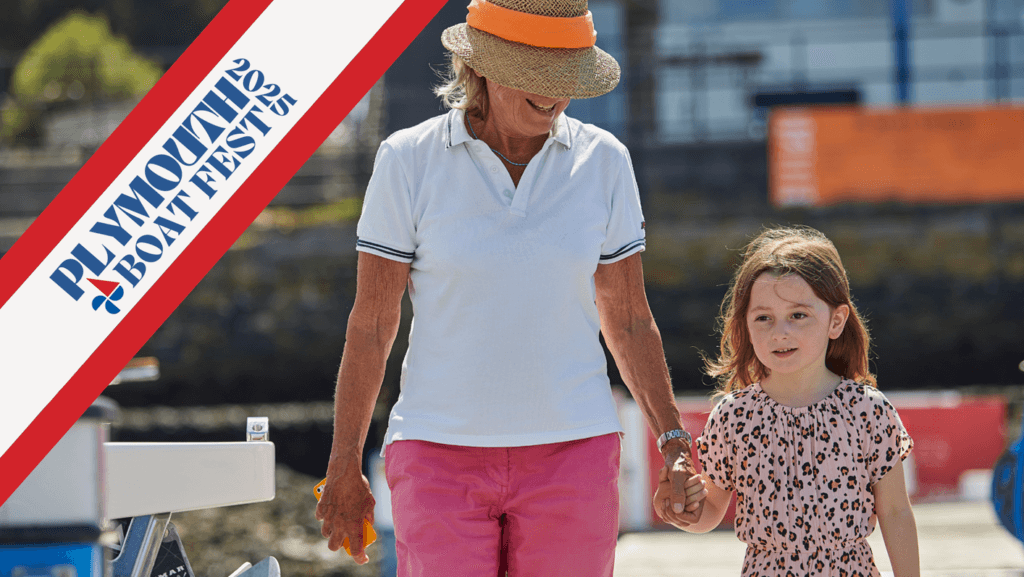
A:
x: 810, y: 254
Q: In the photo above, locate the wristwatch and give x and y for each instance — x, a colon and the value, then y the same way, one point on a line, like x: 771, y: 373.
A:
x: 673, y: 434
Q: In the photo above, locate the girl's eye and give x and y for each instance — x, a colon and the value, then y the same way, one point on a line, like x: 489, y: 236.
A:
x: 761, y: 318
x: 799, y: 315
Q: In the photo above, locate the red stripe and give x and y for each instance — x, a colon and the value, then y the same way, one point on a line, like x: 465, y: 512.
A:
x: 124, y: 143
x: 213, y: 241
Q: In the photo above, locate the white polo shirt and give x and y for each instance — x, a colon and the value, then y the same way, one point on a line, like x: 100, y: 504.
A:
x: 504, y: 347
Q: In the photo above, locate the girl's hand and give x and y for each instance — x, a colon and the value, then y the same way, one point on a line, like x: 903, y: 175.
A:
x: 695, y: 491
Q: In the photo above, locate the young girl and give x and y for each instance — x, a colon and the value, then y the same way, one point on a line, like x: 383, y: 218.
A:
x: 811, y: 448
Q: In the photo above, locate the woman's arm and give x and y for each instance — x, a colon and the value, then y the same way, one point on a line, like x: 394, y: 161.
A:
x: 635, y: 343
x: 896, y: 519
x: 372, y: 327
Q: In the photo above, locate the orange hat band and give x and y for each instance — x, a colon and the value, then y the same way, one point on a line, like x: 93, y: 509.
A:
x: 532, y: 29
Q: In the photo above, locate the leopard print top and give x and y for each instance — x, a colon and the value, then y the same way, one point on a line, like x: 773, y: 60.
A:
x: 803, y: 476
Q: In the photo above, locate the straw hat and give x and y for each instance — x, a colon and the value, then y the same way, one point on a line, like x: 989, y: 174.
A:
x: 540, y: 46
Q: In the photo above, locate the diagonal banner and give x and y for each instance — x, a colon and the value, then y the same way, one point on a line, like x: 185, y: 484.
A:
x: 169, y: 192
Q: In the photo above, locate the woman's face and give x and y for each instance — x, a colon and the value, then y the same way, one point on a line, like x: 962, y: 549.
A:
x: 519, y: 113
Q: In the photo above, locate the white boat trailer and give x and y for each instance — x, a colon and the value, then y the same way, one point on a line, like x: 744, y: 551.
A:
x: 60, y: 521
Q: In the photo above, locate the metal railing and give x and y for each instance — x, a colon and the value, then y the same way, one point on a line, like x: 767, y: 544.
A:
x: 708, y: 77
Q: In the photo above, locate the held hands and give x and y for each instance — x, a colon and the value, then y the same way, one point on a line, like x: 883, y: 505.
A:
x: 345, y: 505
x: 679, y: 498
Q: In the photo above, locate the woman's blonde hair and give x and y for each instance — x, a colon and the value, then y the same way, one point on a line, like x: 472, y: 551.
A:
x: 462, y: 88
x: 805, y: 252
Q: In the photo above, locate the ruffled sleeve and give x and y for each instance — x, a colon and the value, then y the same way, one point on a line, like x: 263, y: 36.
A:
x: 713, y: 447
x: 888, y: 442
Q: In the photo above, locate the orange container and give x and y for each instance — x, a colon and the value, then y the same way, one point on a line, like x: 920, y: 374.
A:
x: 830, y: 155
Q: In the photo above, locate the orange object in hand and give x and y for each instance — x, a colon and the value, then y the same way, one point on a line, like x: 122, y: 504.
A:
x: 369, y: 535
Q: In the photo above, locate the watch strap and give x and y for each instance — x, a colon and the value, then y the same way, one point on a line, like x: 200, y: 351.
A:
x: 673, y: 434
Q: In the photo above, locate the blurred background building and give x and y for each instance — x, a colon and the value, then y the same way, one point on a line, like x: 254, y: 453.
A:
x: 700, y: 81
x: 940, y: 282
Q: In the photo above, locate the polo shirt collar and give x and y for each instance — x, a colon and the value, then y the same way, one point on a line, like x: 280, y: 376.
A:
x: 455, y: 126
x: 560, y: 131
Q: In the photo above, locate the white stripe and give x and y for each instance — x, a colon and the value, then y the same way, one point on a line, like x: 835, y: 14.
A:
x: 45, y: 336
x: 636, y: 497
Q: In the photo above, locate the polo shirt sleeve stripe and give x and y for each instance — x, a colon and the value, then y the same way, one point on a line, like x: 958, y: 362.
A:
x: 384, y: 251
x: 625, y: 232
x: 386, y: 227
x: 635, y: 246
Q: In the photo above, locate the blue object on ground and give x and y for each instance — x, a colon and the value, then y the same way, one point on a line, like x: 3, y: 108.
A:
x: 52, y: 560
x: 1008, y: 488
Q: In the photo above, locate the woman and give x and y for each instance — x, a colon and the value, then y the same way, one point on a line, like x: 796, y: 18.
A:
x: 517, y: 231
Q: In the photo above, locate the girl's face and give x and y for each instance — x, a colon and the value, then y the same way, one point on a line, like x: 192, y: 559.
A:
x: 790, y: 326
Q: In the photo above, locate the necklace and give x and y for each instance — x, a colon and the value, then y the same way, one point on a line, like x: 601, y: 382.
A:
x: 470, y: 123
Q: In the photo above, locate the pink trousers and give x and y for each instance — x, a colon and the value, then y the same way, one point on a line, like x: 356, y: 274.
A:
x: 560, y: 504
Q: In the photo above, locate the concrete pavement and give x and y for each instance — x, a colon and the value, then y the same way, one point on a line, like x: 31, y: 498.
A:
x: 960, y: 539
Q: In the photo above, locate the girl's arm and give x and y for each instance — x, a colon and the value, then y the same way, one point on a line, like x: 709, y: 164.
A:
x: 896, y: 519
x: 716, y: 502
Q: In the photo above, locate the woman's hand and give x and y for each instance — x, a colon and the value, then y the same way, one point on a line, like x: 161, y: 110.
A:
x: 694, y: 489
x: 372, y: 326
x: 679, y: 498
x: 345, y: 502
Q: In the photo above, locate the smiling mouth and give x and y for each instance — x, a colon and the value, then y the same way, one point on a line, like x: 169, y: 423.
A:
x: 544, y: 109
x: 783, y: 351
